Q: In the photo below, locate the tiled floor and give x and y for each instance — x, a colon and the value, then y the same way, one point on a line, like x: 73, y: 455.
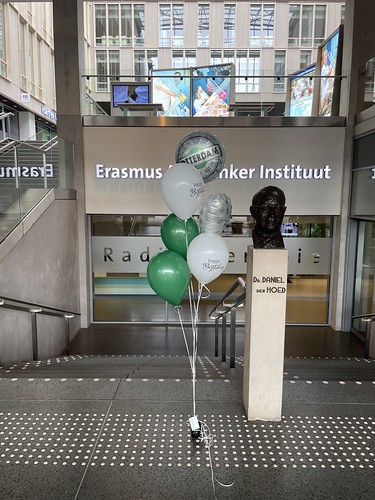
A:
x: 114, y: 426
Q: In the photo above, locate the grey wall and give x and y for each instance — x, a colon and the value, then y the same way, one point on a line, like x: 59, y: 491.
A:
x: 42, y: 268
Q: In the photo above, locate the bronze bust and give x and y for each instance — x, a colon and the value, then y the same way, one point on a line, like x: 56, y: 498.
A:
x: 268, y: 209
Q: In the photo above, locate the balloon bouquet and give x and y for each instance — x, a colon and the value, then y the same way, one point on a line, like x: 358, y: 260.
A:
x: 191, y: 249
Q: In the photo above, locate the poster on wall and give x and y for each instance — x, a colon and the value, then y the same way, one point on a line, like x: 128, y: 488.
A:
x: 329, y: 60
x: 301, y: 92
x: 212, y: 90
x: 171, y: 88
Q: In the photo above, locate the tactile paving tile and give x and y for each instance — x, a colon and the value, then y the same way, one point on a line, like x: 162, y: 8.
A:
x: 135, y: 439
x: 15, y: 389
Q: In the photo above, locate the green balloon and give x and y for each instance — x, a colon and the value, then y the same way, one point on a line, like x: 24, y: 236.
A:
x: 177, y: 234
x: 169, y: 275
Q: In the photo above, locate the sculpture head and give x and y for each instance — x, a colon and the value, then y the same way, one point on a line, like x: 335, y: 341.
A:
x: 268, y: 209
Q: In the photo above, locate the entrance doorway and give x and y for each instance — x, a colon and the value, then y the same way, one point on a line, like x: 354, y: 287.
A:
x: 364, y: 293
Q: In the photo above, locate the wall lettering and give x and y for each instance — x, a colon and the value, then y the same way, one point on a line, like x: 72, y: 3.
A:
x: 287, y: 172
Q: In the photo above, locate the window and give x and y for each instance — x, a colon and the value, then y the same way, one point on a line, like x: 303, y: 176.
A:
x: 23, y: 55
x: 139, y: 24
x: 229, y: 25
x: 216, y: 57
x: 30, y: 47
x: 132, y: 24
x: 177, y: 58
x: 178, y: 26
x: 39, y: 63
x: 152, y: 60
x: 119, y: 24
x: 203, y: 25
x: 247, y: 67
x: 3, y: 64
x: 126, y: 25
x: 305, y: 58
x: 113, y: 25
x: 241, y: 70
x: 140, y: 66
x: 107, y: 63
x: 279, y: 83
x: 190, y: 58
x: 320, y: 24
x: 306, y: 25
x: 253, y: 71
x: 261, y: 25
x: 183, y: 58
x: 100, y: 25
x: 144, y: 62
x: 171, y: 25
x: 222, y: 56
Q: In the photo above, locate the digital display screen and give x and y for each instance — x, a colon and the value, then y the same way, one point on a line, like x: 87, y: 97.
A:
x: 130, y: 93
x: 302, y: 92
x: 328, y: 68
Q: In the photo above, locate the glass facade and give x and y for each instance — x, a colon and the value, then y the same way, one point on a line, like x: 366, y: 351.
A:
x: 122, y: 296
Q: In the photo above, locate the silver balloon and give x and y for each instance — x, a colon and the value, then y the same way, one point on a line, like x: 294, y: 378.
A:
x: 215, y: 213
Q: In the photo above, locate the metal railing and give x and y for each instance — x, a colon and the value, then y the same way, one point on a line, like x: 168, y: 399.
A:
x: 34, y: 309
x: 368, y: 319
x: 228, y: 305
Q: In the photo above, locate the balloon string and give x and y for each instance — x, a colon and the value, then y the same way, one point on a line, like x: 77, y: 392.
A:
x: 206, y: 436
x: 186, y: 236
x: 178, y: 310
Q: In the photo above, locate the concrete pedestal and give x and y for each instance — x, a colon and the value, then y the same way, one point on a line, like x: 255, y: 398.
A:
x: 265, y: 333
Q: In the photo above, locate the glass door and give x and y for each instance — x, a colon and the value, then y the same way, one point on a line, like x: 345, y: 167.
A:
x: 364, y: 295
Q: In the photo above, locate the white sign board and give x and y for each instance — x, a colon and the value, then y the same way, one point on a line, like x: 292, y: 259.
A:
x: 124, y: 166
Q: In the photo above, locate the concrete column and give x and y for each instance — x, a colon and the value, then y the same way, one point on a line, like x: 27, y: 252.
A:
x: 27, y: 127
x: 265, y: 333
x: 70, y: 94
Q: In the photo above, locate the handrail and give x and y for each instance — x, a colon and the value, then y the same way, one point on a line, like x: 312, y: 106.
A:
x: 366, y: 318
x: 34, y: 308
x: 228, y: 308
x: 238, y: 283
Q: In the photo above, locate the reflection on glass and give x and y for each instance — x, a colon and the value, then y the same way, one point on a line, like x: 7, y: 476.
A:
x: 364, y: 296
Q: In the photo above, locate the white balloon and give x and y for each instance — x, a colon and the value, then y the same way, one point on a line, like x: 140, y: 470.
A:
x: 207, y: 257
x: 182, y: 187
